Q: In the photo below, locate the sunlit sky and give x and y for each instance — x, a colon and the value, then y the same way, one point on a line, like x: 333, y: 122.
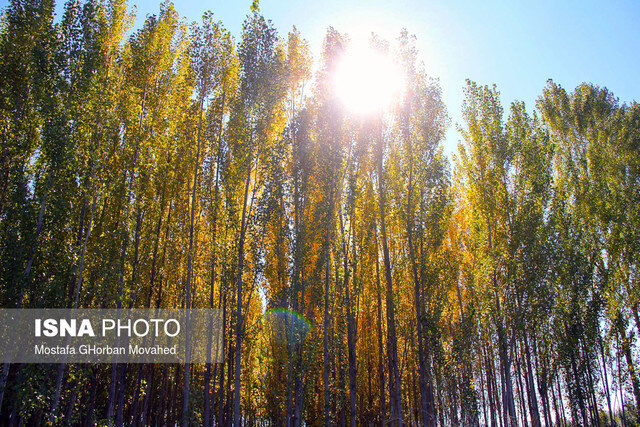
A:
x: 517, y: 45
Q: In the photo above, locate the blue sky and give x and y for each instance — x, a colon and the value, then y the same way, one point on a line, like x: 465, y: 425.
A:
x: 517, y: 45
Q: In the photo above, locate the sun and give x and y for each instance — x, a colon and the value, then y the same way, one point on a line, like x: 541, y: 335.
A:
x: 367, y: 81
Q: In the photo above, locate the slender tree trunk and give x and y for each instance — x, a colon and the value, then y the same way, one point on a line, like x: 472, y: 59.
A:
x: 392, y: 345
x: 427, y: 407
x: 288, y: 414
x: 72, y: 401
x: 535, y: 412
x: 578, y: 388
x: 230, y: 379
x: 129, y: 179
x: 555, y: 404
x: 543, y: 384
x: 34, y: 247
x: 298, y: 382
x: 624, y: 415
x: 520, y: 391
x: 342, y: 412
x: 161, y: 415
x: 440, y: 393
x: 207, y: 379
x: 152, y: 283
x: 325, y: 322
x: 508, y: 404
x: 79, y: 274
x: 57, y: 390
x: 626, y: 351
x: 299, y: 369
x: 210, y: 394
x: 80, y: 271
x: 380, y: 342
x: 325, y: 328
x: 221, y: 396
x: 605, y: 378
x: 112, y: 392
x: 149, y: 375
x: 172, y: 394
x: 453, y: 409
x: 135, y: 411
x: 122, y: 385
x: 561, y: 399
x: 92, y: 397
x: 122, y: 369
x: 185, y: 391
x: 483, y: 387
x: 351, y: 342
x: 490, y: 392
x: 239, y: 320
x: 595, y: 413
x: 542, y: 379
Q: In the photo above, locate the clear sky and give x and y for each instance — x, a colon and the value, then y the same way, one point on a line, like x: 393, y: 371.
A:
x: 515, y: 44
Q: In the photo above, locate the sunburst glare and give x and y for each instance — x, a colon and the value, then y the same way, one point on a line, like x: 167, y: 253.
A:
x: 366, y: 80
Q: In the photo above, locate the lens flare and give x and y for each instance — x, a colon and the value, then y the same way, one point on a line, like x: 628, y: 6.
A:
x: 367, y: 81
x: 287, y: 326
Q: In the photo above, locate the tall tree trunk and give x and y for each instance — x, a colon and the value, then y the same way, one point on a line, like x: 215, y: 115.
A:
x: 239, y: 320
x: 543, y: 383
x: 325, y: 321
x: 427, y: 407
x: 122, y: 385
x: 228, y: 407
x: 325, y: 352
x: 605, y: 377
x: 144, y: 412
x: 57, y: 391
x: 626, y: 351
x: 221, y: 395
x: 593, y: 404
x: 78, y: 285
x: 135, y: 411
x: 508, y: 404
x: 298, y: 383
x: 68, y: 416
x: 535, y: 412
x: 207, y: 379
x: 185, y: 391
x: 520, y: 391
x: 152, y: 282
x: 561, y: 399
x: 392, y: 345
x: 624, y: 415
x: 489, y: 367
x: 92, y: 397
x: 555, y: 404
x: 34, y: 247
x: 161, y: 415
x: 342, y: 412
x: 351, y: 336
x: 380, y: 342
x: 129, y: 179
x: 483, y: 387
x: 299, y: 369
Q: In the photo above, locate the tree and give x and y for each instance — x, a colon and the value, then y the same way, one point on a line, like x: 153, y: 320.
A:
x: 422, y: 121
x: 256, y: 123
x: 485, y: 160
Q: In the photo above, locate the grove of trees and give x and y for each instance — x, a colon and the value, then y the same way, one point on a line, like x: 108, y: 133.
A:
x: 364, y: 276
